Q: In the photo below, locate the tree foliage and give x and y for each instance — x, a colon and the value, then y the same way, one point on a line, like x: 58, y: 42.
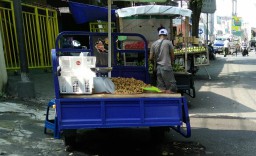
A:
x: 195, y: 6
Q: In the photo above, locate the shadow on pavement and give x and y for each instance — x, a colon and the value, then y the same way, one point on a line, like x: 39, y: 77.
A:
x: 225, y: 92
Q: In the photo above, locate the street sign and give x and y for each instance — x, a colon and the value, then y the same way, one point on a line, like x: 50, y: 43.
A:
x: 200, y: 31
x: 209, y: 6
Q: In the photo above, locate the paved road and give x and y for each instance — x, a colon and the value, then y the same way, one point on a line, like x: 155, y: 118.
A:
x: 222, y: 118
x: 223, y: 114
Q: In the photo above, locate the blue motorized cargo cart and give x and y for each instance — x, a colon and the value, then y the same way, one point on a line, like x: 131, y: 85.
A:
x: 87, y: 111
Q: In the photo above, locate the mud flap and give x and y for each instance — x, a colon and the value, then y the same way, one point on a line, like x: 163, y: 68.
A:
x: 186, y: 131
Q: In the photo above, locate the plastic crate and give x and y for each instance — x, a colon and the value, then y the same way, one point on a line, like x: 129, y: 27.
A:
x: 76, y: 82
x: 180, y: 60
x: 75, y: 85
x: 201, y: 59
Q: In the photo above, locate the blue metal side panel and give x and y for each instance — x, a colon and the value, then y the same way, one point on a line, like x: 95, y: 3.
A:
x: 76, y: 113
x: 162, y: 110
x: 119, y: 112
x: 122, y: 111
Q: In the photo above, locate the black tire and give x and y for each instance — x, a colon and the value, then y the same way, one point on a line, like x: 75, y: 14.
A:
x: 158, y: 133
x: 70, y: 140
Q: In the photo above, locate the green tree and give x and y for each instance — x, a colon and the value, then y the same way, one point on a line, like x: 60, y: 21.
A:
x: 195, y: 6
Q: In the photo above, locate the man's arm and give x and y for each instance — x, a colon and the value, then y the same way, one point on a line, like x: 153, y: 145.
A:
x: 151, y: 53
x: 172, y: 53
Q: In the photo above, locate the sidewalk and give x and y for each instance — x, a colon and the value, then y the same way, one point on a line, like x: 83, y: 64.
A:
x: 43, y: 82
x: 22, y: 120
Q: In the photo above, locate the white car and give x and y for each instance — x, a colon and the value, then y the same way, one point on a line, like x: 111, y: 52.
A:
x: 218, y: 45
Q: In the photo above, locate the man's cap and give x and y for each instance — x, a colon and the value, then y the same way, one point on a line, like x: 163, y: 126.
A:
x: 163, y: 32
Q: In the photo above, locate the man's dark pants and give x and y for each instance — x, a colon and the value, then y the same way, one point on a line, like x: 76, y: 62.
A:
x: 226, y: 52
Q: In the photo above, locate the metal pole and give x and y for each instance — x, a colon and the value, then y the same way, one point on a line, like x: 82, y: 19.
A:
x: 25, y: 87
x: 206, y: 29
x: 21, y: 41
x: 109, y: 35
x: 207, y: 43
x: 186, y: 42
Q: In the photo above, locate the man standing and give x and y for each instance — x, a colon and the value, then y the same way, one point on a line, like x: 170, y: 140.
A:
x: 162, y: 53
x: 226, y: 47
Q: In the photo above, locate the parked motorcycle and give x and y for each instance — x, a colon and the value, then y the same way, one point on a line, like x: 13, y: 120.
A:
x: 211, y: 52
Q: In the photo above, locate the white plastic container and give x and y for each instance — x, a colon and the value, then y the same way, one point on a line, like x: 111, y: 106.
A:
x: 76, y: 76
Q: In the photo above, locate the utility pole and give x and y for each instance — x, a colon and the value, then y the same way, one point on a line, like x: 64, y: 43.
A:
x: 234, y: 7
x: 25, y: 86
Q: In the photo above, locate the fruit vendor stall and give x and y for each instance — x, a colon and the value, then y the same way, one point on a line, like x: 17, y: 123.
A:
x: 197, y: 56
x: 147, y: 19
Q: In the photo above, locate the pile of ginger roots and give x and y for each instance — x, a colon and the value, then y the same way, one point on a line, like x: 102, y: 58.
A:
x: 128, y: 85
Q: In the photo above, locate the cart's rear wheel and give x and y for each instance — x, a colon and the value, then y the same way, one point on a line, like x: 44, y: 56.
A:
x: 69, y: 139
x: 158, y: 133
